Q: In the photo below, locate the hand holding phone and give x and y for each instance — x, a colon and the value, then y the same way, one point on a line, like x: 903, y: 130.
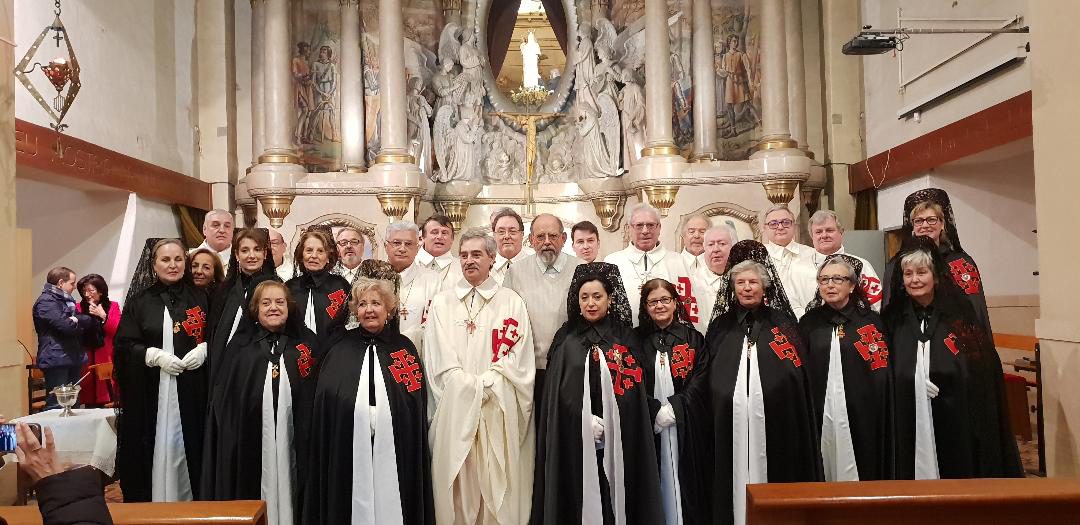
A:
x: 9, y: 436
x: 36, y: 457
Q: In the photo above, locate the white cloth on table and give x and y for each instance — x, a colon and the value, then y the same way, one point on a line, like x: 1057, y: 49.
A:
x: 87, y: 438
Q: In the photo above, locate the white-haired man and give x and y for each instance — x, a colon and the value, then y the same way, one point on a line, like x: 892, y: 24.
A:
x: 282, y: 261
x: 693, y: 241
x: 828, y: 235
x: 645, y: 259
x: 437, y: 237
x: 350, y: 249
x: 509, y: 232
x: 218, y: 232
x: 418, y: 284
x: 478, y: 358
x: 718, y: 243
x: 793, y: 261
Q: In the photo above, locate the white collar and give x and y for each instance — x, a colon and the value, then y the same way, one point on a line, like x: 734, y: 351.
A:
x: 820, y: 257
x: 500, y: 261
x: 345, y: 271
x: 777, y: 252
x: 711, y: 278
x: 408, y: 274
x: 558, y: 265
x: 441, y: 261
x: 487, y: 289
x: 655, y: 255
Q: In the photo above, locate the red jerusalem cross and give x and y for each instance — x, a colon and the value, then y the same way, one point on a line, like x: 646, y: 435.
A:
x: 682, y: 360
x: 966, y: 276
x: 337, y: 300
x: 406, y: 370
x: 194, y: 324
x: 686, y: 293
x: 506, y: 336
x: 950, y: 343
x: 871, y: 346
x: 783, y: 348
x: 305, y: 361
x: 625, y: 373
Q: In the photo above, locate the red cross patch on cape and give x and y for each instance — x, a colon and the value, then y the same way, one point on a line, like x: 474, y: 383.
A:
x: 406, y: 370
x: 503, y: 339
x: 950, y: 343
x: 195, y: 323
x: 871, y: 286
x: 305, y: 361
x: 337, y: 300
x: 625, y: 372
x: 686, y: 293
x: 682, y: 360
x: 783, y: 348
x: 966, y: 276
x: 871, y: 346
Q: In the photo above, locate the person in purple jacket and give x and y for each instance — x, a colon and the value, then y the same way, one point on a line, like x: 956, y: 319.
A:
x: 59, y: 329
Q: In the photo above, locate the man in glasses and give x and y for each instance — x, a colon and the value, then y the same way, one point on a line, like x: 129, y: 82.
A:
x: 280, y: 250
x: 509, y: 232
x: 793, y: 261
x: 645, y: 259
x: 828, y: 236
x: 418, y: 282
x: 350, y: 249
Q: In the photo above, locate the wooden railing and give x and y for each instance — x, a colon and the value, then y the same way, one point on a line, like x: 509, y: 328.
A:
x: 187, y: 513
x: 954, y: 502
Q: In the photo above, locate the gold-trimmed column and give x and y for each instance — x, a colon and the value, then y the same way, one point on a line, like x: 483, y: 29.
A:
x: 796, y: 73
x: 258, y: 99
x: 659, y: 139
x: 392, y: 97
x: 774, y: 79
x: 704, y: 83
x: 352, y: 92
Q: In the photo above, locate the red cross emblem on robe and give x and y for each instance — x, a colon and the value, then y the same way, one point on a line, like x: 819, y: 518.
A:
x: 872, y: 348
x: 686, y: 293
x: 682, y: 360
x: 783, y: 348
x: 503, y: 339
x: 950, y: 343
x: 625, y: 372
x: 305, y: 361
x: 966, y: 276
x: 195, y: 323
x: 871, y: 286
x: 337, y: 300
x: 406, y: 370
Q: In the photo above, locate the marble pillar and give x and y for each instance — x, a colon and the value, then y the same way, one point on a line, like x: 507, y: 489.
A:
x: 258, y: 124
x: 658, y: 134
x: 843, y: 103
x: 776, y: 132
x: 704, y: 82
x: 796, y: 72
x: 352, y: 89
x: 14, y: 256
x: 278, y: 111
x: 392, y: 97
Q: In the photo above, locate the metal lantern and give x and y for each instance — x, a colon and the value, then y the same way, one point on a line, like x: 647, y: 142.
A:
x: 62, y: 72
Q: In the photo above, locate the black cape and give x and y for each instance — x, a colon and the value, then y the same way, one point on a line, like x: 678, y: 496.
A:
x: 792, y: 437
x: 232, y: 462
x: 684, y: 347
x: 864, y: 359
x: 964, y: 272
x: 330, y: 294
x: 328, y: 491
x: 140, y: 328
x: 231, y: 297
x: 557, y: 488
x: 971, y: 423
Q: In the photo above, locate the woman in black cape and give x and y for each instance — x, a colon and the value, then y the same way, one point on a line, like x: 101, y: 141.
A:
x: 383, y: 415
x: 848, y: 362
x: 158, y: 358
x: 259, y: 404
x: 756, y: 318
x: 672, y: 350
x: 951, y: 416
x: 323, y: 297
x: 596, y: 459
x: 251, y: 263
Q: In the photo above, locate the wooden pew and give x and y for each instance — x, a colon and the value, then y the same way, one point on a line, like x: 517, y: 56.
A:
x: 185, y: 513
x: 1039, y: 501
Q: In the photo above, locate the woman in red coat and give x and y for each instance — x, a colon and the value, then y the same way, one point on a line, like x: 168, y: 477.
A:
x: 98, y: 341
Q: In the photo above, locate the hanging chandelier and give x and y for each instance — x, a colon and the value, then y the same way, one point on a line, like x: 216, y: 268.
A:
x: 62, y: 72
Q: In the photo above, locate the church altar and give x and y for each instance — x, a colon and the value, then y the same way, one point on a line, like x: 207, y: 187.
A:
x: 401, y: 118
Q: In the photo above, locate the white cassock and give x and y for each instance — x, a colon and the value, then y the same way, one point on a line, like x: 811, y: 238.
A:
x: 479, y: 358
x: 692, y: 262
x: 223, y: 255
x: 446, y: 267
x: 707, y: 285
x: 637, y: 267
x: 502, y: 264
x: 286, y: 270
x: 794, y: 264
x: 868, y: 281
x: 418, y: 286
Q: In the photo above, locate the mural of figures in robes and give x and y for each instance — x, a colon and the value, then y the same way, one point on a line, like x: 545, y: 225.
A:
x: 738, y: 77
x: 323, y: 122
x: 315, y: 72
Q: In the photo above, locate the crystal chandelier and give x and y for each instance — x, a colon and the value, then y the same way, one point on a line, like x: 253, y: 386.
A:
x: 62, y: 72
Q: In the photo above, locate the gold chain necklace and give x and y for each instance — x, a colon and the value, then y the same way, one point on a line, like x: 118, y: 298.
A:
x: 470, y: 325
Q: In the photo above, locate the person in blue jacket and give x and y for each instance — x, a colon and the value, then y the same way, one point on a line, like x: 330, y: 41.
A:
x: 59, y: 329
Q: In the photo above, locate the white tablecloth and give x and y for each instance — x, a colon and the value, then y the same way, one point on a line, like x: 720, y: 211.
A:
x: 87, y: 438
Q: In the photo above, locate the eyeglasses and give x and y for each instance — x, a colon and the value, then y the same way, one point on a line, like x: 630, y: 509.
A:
x: 929, y: 221
x: 349, y: 242
x: 653, y: 303
x: 277, y: 242
x: 543, y: 237
x: 507, y: 231
x: 776, y: 225
x: 835, y: 279
x: 645, y: 226
x: 401, y: 244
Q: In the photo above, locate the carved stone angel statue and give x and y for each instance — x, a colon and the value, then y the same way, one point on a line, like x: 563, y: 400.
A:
x: 469, y: 85
x: 463, y: 152
x: 559, y: 161
x: 442, y: 128
x: 632, y: 104
x: 419, y: 132
x: 442, y: 82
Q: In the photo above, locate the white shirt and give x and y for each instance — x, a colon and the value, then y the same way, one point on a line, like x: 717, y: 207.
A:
x: 349, y: 274
x: 502, y: 264
x: 868, y: 281
x: 708, y: 286
x: 418, y: 286
x: 446, y: 266
x: 286, y: 270
x: 224, y: 255
x: 794, y: 264
x: 637, y: 267
x: 544, y: 290
x: 693, y: 262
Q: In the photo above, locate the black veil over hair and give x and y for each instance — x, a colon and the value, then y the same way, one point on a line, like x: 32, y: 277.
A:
x: 645, y: 322
x: 609, y: 275
x: 949, y: 299
x: 775, y: 297
x: 144, y: 276
x: 941, y: 198
x: 858, y: 295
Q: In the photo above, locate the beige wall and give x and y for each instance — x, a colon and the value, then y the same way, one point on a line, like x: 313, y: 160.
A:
x: 12, y: 373
x: 881, y: 72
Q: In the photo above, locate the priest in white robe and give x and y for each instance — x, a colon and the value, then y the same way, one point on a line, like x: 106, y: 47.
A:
x: 418, y: 284
x: 828, y: 235
x: 509, y: 231
x: 478, y: 354
x: 693, y: 242
x: 437, y: 237
x: 218, y: 232
x: 645, y: 259
x: 793, y: 261
x: 710, y: 279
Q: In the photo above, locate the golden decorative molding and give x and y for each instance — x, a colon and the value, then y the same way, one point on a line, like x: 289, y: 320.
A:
x: 662, y: 197
x: 394, y: 158
x: 251, y: 214
x: 276, y: 208
x: 811, y: 199
x: 771, y: 144
x: 456, y: 211
x: 278, y: 158
x: 608, y: 208
x: 661, y: 150
x: 395, y: 205
x: 354, y: 168
x: 704, y: 157
x: 780, y: 191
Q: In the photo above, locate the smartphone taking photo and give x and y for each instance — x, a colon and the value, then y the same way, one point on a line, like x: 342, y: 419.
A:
x: 9, y: 439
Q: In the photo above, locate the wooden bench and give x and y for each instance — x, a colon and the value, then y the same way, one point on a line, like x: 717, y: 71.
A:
x: 955, y: 502
x: 194, y: 512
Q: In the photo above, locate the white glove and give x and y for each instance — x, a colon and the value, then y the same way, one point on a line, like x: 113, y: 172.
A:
x: 195, y: 357
x: 166, y: 361
x: 665, y: 417
x: 931, y: 389
x: 371, y: 418
x: 598, y: 431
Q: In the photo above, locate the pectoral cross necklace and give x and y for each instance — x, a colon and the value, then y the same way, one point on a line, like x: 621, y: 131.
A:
x: 403, y: 311
x: 470, y: 325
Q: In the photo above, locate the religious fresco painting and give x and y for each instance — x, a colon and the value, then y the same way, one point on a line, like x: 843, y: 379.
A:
x: 316, y: 79
x: 737, y: 59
